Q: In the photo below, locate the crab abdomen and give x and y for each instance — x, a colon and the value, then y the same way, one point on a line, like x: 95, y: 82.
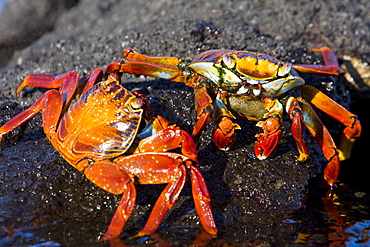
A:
x: 252, y: 109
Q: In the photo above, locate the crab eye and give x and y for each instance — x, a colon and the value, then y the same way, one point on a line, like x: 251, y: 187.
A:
x: 137, y: 103
x: 228, y: 61
x: 285, y: 69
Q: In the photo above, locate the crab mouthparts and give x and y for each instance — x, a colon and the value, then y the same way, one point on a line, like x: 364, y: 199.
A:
x: 252, y: 90
x: 251, y: 86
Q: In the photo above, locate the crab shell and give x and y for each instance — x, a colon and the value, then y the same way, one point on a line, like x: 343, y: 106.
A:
x: 119, y: 114
x: 247, y: 73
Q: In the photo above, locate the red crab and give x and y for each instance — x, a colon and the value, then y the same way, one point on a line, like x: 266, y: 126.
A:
x: 97, y: 135
x: 231, y: 84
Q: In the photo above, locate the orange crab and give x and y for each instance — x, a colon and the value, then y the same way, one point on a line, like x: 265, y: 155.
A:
x: 98, y: 135
x: 231, y: 84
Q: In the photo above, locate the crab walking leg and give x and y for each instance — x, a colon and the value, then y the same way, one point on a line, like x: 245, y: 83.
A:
x: 328, y: 55
x: 170, y: 195
x: 23, y: 116
x: 351, y: 132
x: 330, y: 67
x: 170, y: 138
x: 51, y: 103
x: 95, y: 77
x: 42, y: 80
x: 170, y: 68
x: 108, y: 176
x: 202, y: 201
x: 204, y: 108
x: 123, y: 212
x: 165, y: 168
x: 167, y: 139
x: 325, y: 141
x: 164, y: 203
x: 296, y: 115
x: 169, y: 72
x: 67, y: 83
x: 133, y: 55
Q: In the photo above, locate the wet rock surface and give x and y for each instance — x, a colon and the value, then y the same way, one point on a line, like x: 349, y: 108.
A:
x: 45, y: 200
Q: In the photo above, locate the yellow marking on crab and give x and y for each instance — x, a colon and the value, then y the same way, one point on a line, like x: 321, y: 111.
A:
x: 274, y: 107
x: 207, y: 70
x: 163, y: 75
x: 256, y: 68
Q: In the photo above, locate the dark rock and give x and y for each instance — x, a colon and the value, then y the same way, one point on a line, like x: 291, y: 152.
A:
x: 22, y: 22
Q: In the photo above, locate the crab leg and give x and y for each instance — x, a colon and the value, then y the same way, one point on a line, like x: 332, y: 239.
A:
x: 202, y: 201
x: 325, y: 141
x: 162, y: 67
x: 353, y: 127
x: 123, y: 212
x: 110, y: 177
x: 164, y: 203
x: 95, y: 77
x: 170, y: 195
x: 42, y: 80
x: 204, y: 109
x: 331, y: 67
x: 170, y: 168
x: 170, y: 68
x: 200, y: 192
x: 67, y: 83
x: 169, y: 138
x: 24, y: 115
x: 296, y: 115
x: 133, y: 55
x: 139, y: 68
x: 51, y: 102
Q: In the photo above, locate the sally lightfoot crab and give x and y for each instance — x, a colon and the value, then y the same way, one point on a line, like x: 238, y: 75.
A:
x: 98, y: 135
x: 231, y: 84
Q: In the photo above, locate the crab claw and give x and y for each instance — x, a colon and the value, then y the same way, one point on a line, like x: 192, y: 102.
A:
x: 268, y: 140
x: 224, y: 135
x: 266, y: 144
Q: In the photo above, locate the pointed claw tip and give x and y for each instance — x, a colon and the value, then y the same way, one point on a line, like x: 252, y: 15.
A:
x: 302, y: 158
x: 101, y: 239
x: 261, y: 157
x: 138, y: 235
x: 213, y: 232
x: 332, y: 185
x: 260, y: 152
